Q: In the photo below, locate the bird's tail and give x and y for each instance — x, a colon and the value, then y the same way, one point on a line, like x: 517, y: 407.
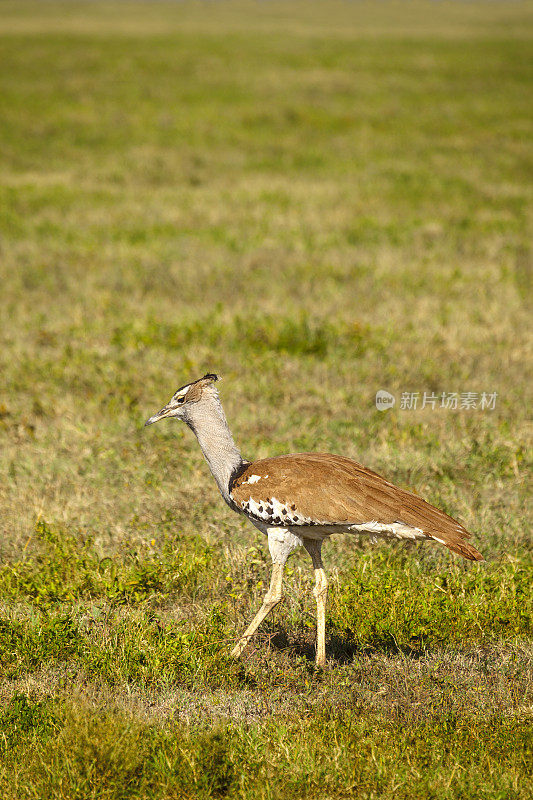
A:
x: 457, y: 544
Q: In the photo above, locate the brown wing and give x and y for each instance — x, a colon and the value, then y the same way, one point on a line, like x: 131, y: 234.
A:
x: 320, y: 488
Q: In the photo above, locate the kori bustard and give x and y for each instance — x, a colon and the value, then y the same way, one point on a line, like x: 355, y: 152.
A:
x: 303, y: 498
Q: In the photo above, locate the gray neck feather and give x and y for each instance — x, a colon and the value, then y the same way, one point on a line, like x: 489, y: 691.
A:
x: 207, y: 420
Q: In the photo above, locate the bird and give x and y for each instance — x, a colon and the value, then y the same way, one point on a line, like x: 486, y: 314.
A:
x: 300, y: 499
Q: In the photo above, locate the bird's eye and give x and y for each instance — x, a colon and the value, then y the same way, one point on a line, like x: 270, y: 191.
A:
x: 181, y: 399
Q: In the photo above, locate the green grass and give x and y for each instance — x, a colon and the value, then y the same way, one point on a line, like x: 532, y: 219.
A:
x: 323, y: 756
x: 316, y: 201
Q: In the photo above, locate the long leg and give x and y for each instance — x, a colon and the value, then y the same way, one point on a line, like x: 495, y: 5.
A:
x: 272, y: 598
x: 314, y: 547
x: 281, y: 544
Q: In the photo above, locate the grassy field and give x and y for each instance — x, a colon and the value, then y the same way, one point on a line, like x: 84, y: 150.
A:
x: 316, y: 201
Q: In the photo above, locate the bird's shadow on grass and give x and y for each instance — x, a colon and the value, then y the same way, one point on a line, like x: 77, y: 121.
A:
x: 339, y: 649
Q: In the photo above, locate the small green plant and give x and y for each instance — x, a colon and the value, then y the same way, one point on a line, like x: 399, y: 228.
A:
x: 24, y: 721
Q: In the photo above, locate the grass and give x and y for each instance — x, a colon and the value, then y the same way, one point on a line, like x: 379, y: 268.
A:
x: 162, y: 762
x: 317, y: 201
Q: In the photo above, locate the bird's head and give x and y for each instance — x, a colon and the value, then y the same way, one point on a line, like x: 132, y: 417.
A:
x: 181, y: 403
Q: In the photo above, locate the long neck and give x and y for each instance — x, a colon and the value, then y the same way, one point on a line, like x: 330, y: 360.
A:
x: 208, y: 421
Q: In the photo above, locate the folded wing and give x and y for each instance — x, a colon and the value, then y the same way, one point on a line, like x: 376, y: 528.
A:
x: 325, y: 489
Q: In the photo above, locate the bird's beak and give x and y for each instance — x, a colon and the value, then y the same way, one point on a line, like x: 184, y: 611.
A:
x: 165, y: 412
